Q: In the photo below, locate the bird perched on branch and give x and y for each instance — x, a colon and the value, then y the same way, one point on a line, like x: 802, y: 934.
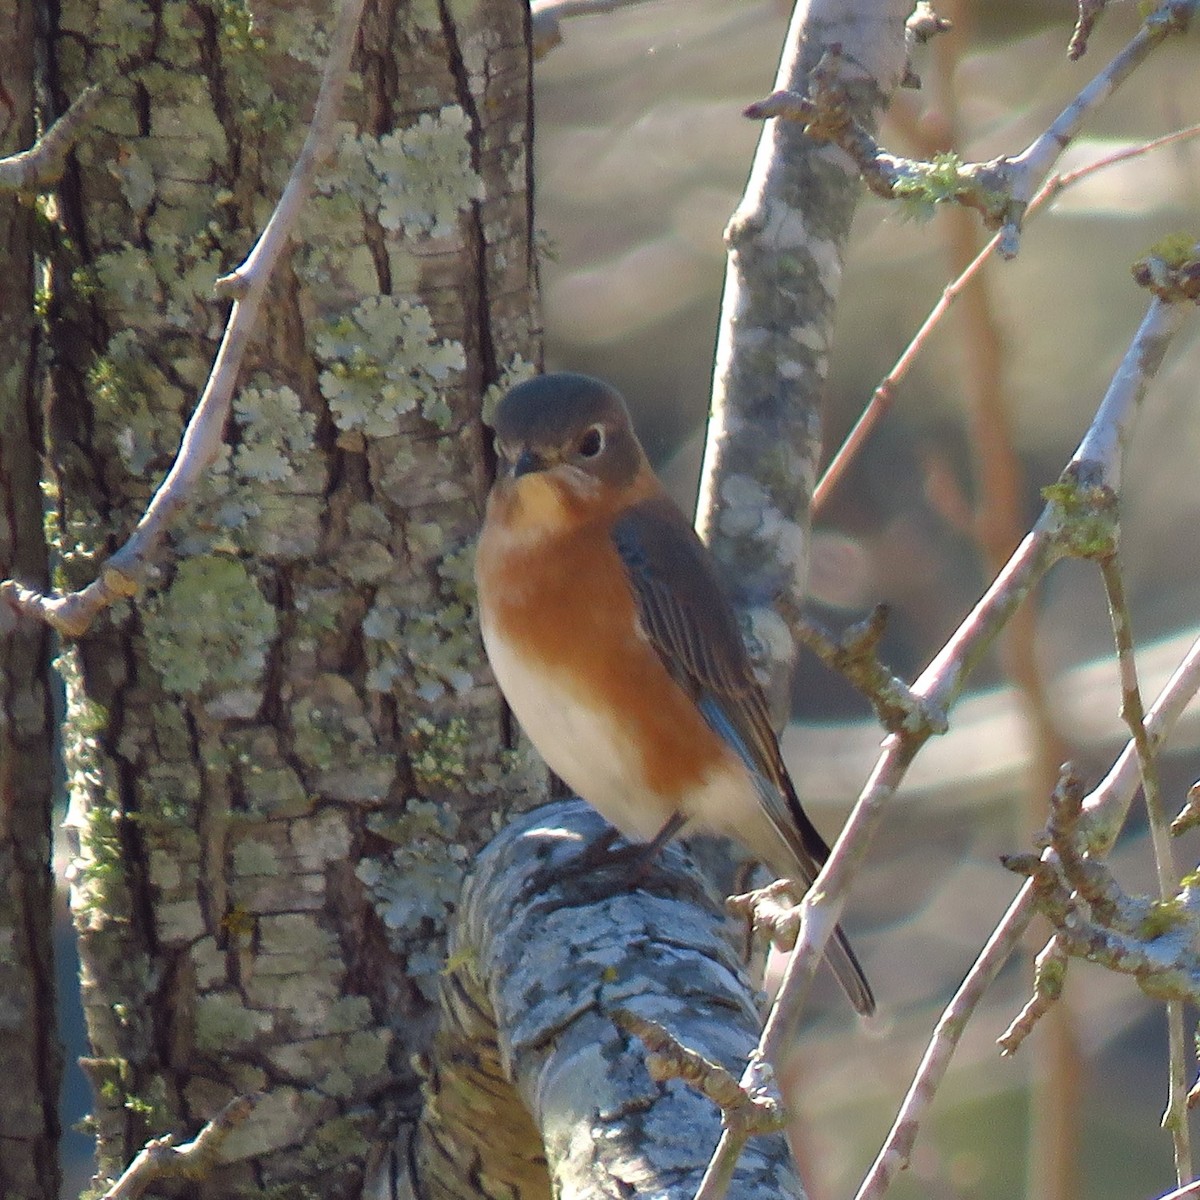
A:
x: 617, y: 649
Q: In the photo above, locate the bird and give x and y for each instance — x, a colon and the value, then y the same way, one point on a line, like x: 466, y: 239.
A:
x: 616, y: 647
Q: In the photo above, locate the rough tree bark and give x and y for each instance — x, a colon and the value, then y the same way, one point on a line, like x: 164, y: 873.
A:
x: 30, y: 1057
x: 281, y: 756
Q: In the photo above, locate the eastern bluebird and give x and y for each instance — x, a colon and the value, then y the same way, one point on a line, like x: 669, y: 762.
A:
x: 617, y: 649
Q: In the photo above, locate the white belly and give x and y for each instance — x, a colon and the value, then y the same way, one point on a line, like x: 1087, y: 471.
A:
x: 592, y: 754
x: 596, y: 756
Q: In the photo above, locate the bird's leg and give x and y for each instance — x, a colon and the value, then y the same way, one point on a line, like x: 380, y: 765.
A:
x: 637, y: 857
x: 630, y: 864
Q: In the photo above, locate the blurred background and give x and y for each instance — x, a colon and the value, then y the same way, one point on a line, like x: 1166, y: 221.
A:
x: 642, y: 157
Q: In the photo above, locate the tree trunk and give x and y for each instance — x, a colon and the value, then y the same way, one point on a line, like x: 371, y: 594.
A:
x: 285, y: 751
x: 30, y: 1057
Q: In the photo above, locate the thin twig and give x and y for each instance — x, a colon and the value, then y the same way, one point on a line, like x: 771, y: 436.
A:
x: 718, y: 1175
x: 546, y: 18
x: 1077, y: 520
x: 1175, y: 1118
x: 41, y: 166
x: 1032, y: 164
x: 998, y: 519
x: 1106, y: 806
x: 855, y: 658
x: 748, y: 1114
x: 885, y: 392
x: 1188, y: 816
x: 1104, y: 813
x: 897, y: 1148
x: 1089, y: 11
x: 1049, y: 973
x: 1187, y: 1192
x: 163, y: 1159
x: 1000, y: 189
x: 72, y: 614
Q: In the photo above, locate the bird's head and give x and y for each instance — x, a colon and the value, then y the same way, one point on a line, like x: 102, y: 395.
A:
x: 564, y: 442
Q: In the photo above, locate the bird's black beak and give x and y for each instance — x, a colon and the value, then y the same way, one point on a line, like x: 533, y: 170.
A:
x: 526, y: 463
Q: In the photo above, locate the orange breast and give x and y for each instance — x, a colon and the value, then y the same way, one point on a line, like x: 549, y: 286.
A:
x: 562, y: 599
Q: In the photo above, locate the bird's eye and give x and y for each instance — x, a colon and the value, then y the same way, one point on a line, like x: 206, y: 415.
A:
x: 591, y: 443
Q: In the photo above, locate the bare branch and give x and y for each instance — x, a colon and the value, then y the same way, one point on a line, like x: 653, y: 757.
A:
x: 121, y: 576
x: 885, y: 393
x: 1133, y: 711
x: 40, y: 167
x: 855, y: 657
x: 1000, y: 189
x: 1104, y: 811
x: 547, y: 16
x: 163, y: 1159
x: 1089, y: 12
x: 1079, y: 519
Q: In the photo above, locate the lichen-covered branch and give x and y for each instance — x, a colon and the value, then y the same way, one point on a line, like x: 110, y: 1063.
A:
x: 1153, y: 940
x: 1000, y: 189
x: 786, y: 242
x: 563, y: 966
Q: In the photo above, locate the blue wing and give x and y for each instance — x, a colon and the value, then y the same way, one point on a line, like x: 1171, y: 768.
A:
x: 691, y: 624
